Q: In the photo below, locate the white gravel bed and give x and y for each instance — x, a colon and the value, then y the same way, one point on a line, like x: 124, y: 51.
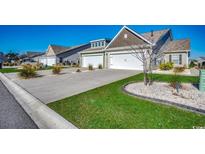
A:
x: 188, y: 95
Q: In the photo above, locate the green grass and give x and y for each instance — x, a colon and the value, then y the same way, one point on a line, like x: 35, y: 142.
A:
x: 9, y: 70
x: 110, y: 107
x: 12, y: 70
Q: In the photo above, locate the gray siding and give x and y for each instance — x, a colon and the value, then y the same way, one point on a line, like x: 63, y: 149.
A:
x: 184, y: 58
x: 73, y: 55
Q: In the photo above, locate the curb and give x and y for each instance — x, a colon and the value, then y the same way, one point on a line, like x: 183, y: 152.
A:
x: 42, y: 115
x: 160, y: 101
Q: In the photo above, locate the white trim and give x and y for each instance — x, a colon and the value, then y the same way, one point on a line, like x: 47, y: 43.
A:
x: 176, y: 51
x: 125, y: 27
x: 123, y: 52
x: 97, y: 40
x: 92, y: 54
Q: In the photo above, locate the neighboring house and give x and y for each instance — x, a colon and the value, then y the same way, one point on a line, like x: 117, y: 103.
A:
x: 201, y: 62
x: 30, y: 57
x: 59, y: 54
x: 118, y: 53
x: 1, y: 59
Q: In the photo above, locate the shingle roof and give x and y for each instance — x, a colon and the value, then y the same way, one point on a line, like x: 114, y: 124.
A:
x: 31, y: 54
x: 203, y: 58
x: 156, y: 35
x: 93, y: 49
x: 176, y: 45
x: 57, y: 48
x: 71, y: 48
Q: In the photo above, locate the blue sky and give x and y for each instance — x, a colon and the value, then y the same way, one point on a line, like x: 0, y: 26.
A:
x: 37, y: 38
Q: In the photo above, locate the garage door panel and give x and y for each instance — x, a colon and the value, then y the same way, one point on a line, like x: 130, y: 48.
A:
x: 50, y: 61
x: 94, y: 60
x: 125, y: 61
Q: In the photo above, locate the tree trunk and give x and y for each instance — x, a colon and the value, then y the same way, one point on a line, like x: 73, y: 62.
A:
x: 145, y: 75
x: 144, y: 69
x: 150, y: 73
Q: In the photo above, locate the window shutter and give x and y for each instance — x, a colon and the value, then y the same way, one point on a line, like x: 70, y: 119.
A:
x: 170, y: 58
x: 180, y: 59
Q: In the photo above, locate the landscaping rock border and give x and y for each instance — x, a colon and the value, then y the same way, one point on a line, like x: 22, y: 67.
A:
x: 165, y: 102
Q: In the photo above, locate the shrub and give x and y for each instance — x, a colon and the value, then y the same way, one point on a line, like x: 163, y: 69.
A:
x: 179, y: 69
x: 90, y: 67
x: 100, y: 66
x: 56, y: 69
x: 38, y: 66
x: 77, y: 65
x: 6, y: 63
x: 78, y: 70
x: 166, y: 66
x: 192, y: 64
x: 175, y: 82
x: 27, y: 71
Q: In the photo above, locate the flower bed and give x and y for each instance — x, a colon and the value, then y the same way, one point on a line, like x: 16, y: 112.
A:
x: 188, y: 94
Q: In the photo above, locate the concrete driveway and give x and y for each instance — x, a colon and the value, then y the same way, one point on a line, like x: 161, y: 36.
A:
x: 49, y: 88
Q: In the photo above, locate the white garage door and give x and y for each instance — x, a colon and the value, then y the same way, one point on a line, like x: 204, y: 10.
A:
x: 43, y: 60
x: 50, y: 61
x: 125, y: 61
x: 94, y: 60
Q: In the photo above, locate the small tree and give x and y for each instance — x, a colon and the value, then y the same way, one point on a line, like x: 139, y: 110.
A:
x: 147, y: 56
x: 12, y: 56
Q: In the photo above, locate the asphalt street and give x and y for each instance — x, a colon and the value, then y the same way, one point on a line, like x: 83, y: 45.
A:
x: 12, y: 115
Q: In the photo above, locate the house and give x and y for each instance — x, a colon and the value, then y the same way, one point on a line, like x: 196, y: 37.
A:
x: 1, y: 59
x: 201, y: 62
x: 60, y: 54
x: 30, y: 57
x: 119, y: 52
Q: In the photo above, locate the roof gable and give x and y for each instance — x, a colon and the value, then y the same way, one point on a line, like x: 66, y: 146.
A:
x: 55, y: 49
x: 155, y: 36
x: 176, y: 45
x: 133, y: 38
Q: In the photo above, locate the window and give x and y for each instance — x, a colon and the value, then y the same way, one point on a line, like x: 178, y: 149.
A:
x: 61, y: 60
x: 170, y: 58
x: 175, y: 59
x: 180, y: 59
x: 98, y: 44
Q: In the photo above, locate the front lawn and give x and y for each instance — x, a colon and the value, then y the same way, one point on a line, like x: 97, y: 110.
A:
x: 12, y: 70
x: 110, y: 107
x: 9, y: 70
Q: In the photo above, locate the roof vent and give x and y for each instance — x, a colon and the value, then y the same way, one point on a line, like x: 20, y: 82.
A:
x: 125, y: 36
x: 152, y: 33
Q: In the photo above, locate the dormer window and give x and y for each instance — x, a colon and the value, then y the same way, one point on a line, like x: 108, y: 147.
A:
x: 98, y: 43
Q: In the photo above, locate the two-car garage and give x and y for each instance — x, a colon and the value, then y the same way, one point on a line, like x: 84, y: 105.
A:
x: 115, y: 60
